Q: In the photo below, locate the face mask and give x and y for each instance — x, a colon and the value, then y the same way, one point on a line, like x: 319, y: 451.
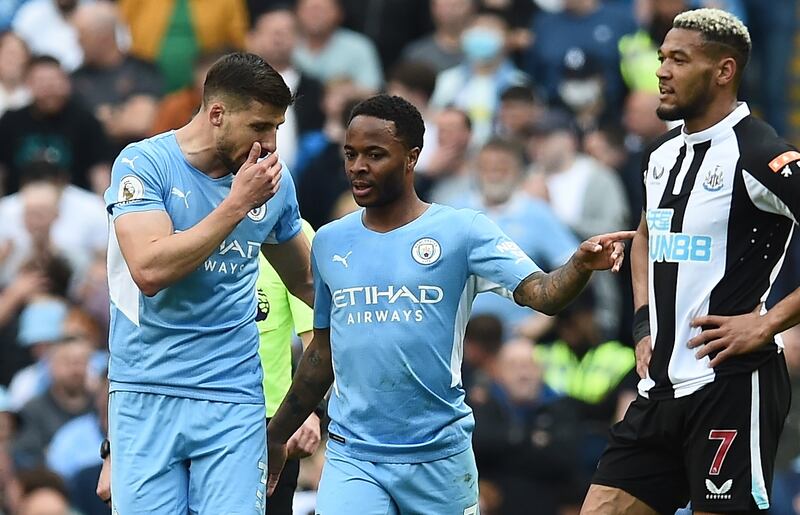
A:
x: 580, y: 94
x: 481, y: 44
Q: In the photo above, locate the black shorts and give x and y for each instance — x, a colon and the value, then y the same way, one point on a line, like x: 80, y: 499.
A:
x: 715, y: 447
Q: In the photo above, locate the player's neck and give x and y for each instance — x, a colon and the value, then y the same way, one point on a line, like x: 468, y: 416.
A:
x: 716, y: 112
x: 197, y: 146
x: 397, y: 214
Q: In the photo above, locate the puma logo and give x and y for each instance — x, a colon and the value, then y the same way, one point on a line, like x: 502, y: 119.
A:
x: 342, y: 259
x: 129, y: 162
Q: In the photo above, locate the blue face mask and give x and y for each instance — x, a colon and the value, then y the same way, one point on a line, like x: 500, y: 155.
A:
x: 480, y: 44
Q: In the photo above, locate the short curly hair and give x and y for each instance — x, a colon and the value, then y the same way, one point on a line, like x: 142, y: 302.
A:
x: 409, y: 127
x: 718, y: 27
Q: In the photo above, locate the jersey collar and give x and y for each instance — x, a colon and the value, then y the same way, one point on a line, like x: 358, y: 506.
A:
x: 718, y: 128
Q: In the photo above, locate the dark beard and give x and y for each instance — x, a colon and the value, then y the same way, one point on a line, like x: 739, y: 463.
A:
x: 687, y: 112
x: 224, y: 155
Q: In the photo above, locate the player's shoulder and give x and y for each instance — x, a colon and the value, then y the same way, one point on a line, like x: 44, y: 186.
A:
x: 761, y: 149
x: 335, y: 228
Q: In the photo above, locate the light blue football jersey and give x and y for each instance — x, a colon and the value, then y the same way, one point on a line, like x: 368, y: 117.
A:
x: 397, y: 304
x: 196, y: 338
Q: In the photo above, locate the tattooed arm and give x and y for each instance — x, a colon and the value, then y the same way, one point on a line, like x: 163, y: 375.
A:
x: 312, y: 380
x: 550, y: 293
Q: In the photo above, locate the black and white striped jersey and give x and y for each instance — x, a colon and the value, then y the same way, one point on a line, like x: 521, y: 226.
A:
x: 720, y: 205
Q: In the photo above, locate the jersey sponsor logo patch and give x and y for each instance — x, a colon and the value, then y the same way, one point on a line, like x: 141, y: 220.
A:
x: 426, y: 251
x: 786, y: 172
x: 713, y: 180
x: 674, y: 247
x: 257, y: 214
x: 263, y: 305
x: 719, y: 492
x: 512, y: 248
x: 130, y: 188
x: 654, y: 172
x: 783, y: 160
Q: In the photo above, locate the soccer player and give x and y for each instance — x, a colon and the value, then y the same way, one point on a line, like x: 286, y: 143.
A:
x: 722, y: 194
x: 279, y: 315
x: 394, y: 283
x: 191, y: 210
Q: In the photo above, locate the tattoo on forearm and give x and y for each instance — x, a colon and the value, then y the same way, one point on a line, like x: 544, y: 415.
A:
x: 550, y: 293
x: 311, y: 381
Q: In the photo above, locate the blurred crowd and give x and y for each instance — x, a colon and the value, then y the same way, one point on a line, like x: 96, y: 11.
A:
x: 537, y: 113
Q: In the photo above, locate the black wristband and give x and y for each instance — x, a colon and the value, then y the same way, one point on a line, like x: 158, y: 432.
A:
x: 105, y: 449
x: 641, y: 323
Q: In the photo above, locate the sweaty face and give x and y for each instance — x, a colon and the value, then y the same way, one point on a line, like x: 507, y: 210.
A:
x: 376, y: 161
x: 239, y: 129
x: 685, y: 77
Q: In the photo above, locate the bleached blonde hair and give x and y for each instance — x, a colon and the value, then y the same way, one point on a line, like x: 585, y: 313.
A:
x: 717, y: 26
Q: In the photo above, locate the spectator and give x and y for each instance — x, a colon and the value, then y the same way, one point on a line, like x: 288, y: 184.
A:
x: 54, y: 128
x: 441, y: 49
x: 65, y: 399
x: 79, y: 228
x: 41, y: 326
x: 483, y: 339
x: 582, y: 90
x: 598, y: 376
x: 13, y: 61
x: 447, y: 179
x: 415, y: 81
x: 390, y: 24
x: 518, y: 15
x: 639, y: 50
x: 525, y: 436
x: 476, y: 85
x: 584, y: 194
x: 28, y: 284
x: 327, y: 51
x: 274, y: 37
x: 42, y: 493
x: 49, y: 215
x: 322, y: 181
x: 519, y: 109
x: 172, y: 33
x: 586, y: 24
x: 75, y: 445
x: 122, y: 91
x: 46, y: 28
x: 526, y: 220
x: 177, y: 108
x: 643, y: 126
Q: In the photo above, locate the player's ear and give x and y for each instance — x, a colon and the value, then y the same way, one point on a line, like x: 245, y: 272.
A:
x: 726, y: 71
x: 216, y: 112
x: 411, y: 159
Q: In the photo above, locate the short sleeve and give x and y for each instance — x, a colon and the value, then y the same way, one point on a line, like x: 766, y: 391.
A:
x: 136, y: 184
x: 302, y: 315
x: 773, y: 180
x: 322, y: 295
x: 289, y: 223
x: 494, y: 257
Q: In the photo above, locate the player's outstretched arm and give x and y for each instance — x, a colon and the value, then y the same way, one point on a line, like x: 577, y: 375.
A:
x: 157, y: 257
x: 292, y: 260
x: 550, y: 292
x: 312, y: 380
